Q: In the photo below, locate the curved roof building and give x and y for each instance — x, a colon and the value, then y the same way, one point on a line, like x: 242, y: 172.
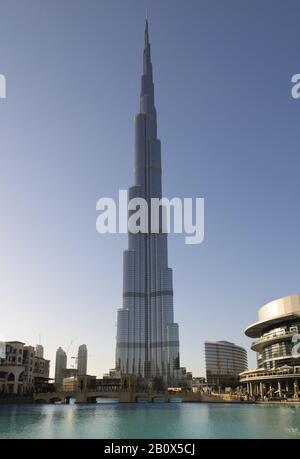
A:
x: 277, y: 343
x: 275, y: 332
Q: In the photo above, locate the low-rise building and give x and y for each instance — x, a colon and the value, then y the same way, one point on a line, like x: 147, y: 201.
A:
x: 41, y: 369
x: 12, y: 369
x: 20, y: 369
x: 80, y: 383
x: 68, y: 373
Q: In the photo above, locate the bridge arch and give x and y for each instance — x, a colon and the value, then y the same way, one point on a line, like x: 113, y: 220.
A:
x: 55, y: 399
x: 41, y: 401
x: 68, y: 397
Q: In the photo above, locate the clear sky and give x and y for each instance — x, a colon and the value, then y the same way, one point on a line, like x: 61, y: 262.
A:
x: 230, y: 133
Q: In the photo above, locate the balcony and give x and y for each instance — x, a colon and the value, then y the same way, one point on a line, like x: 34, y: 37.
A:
x: 284, y: 372
x: 260, y: 343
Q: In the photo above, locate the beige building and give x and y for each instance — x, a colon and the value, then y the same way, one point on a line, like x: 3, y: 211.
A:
x: 79, y: 383
x: 12, y: 369
x: 20, y: 370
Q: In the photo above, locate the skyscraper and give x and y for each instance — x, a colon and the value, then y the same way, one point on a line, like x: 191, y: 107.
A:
x: 147, y: 337
x: 60, y: 364
x: 82, y: 359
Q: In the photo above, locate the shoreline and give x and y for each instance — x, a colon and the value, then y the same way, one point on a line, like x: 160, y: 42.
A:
x: 29, y: 401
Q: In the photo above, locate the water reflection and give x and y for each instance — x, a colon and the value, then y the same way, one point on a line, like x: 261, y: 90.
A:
x: 116, y: 420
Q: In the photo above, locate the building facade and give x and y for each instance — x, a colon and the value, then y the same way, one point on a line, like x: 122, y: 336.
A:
x: 82, y: 359
x: 68, y: 373
x: 277, y: 344
x: 21, y: 371
x: 224, y: 362
x: 147, y: 336
x: 60, y: 365
x: 80, y: 383
x: 41, y: 369
x: 39, y: 351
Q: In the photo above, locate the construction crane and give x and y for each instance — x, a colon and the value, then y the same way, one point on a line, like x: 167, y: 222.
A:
x: 69, y: 347
x: 76, y: 359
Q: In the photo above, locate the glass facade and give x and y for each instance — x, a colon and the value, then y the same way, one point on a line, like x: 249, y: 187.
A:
x: 224, y: 361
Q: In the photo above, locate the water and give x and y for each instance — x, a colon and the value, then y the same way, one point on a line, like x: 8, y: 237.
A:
x: 182, y: 421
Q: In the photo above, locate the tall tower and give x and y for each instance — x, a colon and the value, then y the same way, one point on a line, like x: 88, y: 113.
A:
x: 147, y: 337
x: 60, y: 364
x: 82, y: 359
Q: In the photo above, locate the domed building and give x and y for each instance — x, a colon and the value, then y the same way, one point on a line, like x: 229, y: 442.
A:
x: 277, y: 343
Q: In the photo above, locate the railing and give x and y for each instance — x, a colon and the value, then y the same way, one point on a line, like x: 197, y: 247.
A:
x: 268, y: 373
x: 264, y: 339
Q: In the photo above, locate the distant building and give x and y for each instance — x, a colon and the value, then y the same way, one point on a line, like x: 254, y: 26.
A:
x: 39, y: 351
x: 277, y: 337
x: 224, y: 362
x: 21, y: 371
x: 82, y: 359
x: 80, y: 383
x: 107, y: 384
x: 41, y: 369
x: 68, y: 373
x: 113, y: 374
x: 60, y: 364
x: 69, y: 384
x: 28, y: 361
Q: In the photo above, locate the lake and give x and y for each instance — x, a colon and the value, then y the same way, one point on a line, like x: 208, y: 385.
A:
x: 150, y: 421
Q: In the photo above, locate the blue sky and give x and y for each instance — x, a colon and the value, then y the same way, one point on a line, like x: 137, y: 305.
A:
x: 230, y: 133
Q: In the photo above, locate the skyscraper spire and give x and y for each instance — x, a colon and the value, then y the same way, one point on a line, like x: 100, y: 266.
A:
x: 146, y: 33
x: 147, y: 90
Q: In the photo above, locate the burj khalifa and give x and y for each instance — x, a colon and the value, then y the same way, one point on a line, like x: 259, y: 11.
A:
x: 147, y: 336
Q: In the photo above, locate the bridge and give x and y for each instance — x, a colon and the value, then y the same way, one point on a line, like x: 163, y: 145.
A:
x: 91, y: 396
